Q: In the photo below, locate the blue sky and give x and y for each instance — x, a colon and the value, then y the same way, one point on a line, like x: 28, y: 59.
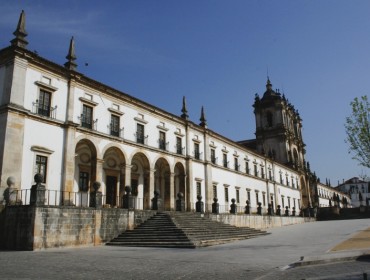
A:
x: 217, y: 54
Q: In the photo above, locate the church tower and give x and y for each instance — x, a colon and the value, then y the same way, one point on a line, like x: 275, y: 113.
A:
x: 279, y: 129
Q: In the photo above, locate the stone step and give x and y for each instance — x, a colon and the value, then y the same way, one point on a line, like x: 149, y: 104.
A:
x: 182, y: 230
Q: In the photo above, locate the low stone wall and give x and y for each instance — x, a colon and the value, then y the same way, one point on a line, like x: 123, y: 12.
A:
x: 33, y: 228
x: 258, y: 221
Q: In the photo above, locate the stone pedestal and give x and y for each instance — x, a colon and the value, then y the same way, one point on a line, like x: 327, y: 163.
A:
x: 199, y: 205
x: 259, y: 208
x: 96, y: 197
x: 156, y: 201
x: 233, y: 207
x: 128, y: 200
x: 286, y: 211
x: 247, y: 209
x: 180, y: 203
x: 38, y: 192
x: 278, y: 210
x: 269, y: 210
x: 215, y: 206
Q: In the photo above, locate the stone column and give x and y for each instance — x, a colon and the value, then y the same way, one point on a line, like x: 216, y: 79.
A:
x: 151, y: 181
x: 172, y: 191
x: 189, y: 186
x: 99, y: 170
x: 68, y: 167
x: 128, y: 175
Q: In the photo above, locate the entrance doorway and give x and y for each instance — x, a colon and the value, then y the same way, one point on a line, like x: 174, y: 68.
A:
x: 111, y: 191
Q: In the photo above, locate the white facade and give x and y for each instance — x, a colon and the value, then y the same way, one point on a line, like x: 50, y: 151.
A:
x: 77, y: 131
x: 329, y: 196
x: 356, y: 189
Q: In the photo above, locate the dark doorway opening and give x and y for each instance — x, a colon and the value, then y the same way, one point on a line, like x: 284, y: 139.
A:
x: 111, y: 195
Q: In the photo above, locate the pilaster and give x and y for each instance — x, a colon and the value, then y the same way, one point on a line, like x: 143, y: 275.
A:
x: 128, y: 175
x: 172, y: 191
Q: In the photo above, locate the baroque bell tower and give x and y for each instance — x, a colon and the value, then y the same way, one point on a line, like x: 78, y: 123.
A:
x: 279, y: 128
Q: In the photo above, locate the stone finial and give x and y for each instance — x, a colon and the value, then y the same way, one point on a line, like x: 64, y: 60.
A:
x: 71, y: 56
x: 184, y: 110
x: 38, y: 178
x: 203, y: 121
x: 96, y: 186
x: 128, y: 190
x: 20, y: 33
x: 268, y: 84
x: 156, y: 193
x: 10, y: 181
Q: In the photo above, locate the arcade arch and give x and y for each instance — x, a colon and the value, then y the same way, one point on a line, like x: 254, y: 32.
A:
x: 140, y: 180
x: 113, y: 176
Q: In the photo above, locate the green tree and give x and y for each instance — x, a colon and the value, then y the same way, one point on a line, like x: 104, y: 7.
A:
x: 358, y: 130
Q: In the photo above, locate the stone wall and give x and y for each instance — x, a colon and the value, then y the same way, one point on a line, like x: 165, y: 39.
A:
x: 16, y: 228
x: 259, y: 222
x: 33, y: 228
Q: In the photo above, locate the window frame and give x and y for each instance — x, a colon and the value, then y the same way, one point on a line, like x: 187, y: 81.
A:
x: 38, y: 165
x: 115, y: 128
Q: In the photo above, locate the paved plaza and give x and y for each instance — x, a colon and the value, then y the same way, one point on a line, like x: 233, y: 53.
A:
x: 305, y: 251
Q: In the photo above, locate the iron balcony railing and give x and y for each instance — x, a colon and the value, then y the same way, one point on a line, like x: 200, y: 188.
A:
x: 88, y: 122
x: 141, y: 139
x: 44, y: 110
x: 115, y: 131
x: 163, y: 145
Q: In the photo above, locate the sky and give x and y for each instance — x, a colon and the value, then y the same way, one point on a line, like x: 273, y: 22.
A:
x: 218, y: 54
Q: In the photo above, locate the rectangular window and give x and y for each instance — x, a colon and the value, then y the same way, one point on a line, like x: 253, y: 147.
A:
x: 237, y: 196
x: 282, y: 201
x: 199, y: 188
x: 257, y: 199
x: 140, y: 133
x: 249, y: 196
x: 270, y: 174
x: 294, y: 202
x: 281, y: 178
x: 213, y: 156
x: 224, y: 159
x: 114, y: 125
x: 247, y: 167
x: 162, y: 140
x: 264, y: 199
x: 288, y: 202
x: 287, y: 180
x: 83, y: 182
x: 236, y: 164
x: 214, y: 191
x: 196, y: 151
x: 226, y: 194
x: 179, y: 145
x: 87, y: 116
x: 299, y: 204
x: 44, y: 103
x: 255, y: 170
x: 262, y: 172
x: 41, y: 166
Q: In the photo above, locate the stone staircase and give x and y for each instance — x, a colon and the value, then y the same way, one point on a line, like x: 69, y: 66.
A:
x: 182, y: 230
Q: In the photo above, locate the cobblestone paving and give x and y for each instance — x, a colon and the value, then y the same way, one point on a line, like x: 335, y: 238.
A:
x: 259, y: 258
